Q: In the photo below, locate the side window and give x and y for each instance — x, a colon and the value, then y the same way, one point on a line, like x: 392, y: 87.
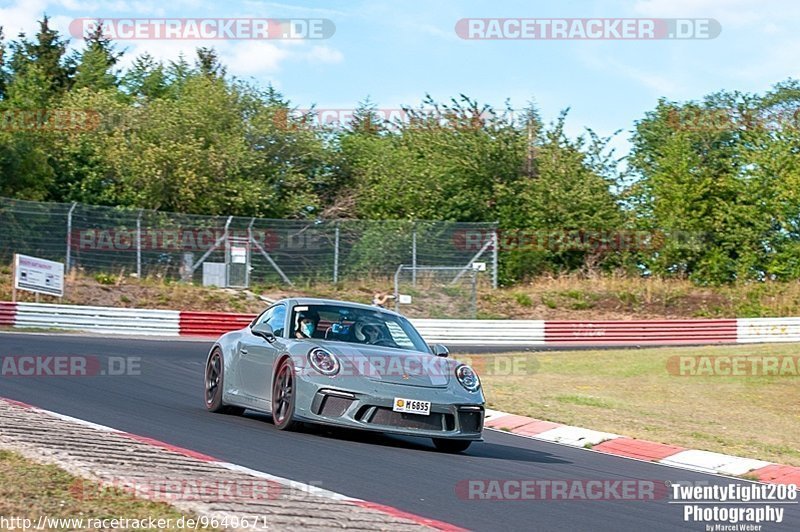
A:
x: 277, y: 319
x: 399, y: 336
x: 264, y: 315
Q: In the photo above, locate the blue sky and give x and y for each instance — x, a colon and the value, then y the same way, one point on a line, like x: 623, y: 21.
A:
x: 396, y: 51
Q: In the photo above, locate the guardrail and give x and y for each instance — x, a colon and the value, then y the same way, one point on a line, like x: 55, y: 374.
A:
x: 96, y: 319
x: 640, y: 332
x: 751, y: 330
x: 522, y: 333
x: 8, y: 312
x: 212, y: 323
x: 489, y: 332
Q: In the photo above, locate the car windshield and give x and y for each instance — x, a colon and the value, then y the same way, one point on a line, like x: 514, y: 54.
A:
x: 340, y: 323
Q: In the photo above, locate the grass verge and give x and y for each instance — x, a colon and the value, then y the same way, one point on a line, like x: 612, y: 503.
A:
x: 29, y: 490
x: 633, y: 393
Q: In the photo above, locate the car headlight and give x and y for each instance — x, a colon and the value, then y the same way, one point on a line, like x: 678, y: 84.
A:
x: 323, y: 361
x: 468, y: 378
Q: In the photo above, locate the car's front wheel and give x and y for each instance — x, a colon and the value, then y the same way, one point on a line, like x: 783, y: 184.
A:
x: 284, y: 393
x: 214, y: 379
x: 451, y: 446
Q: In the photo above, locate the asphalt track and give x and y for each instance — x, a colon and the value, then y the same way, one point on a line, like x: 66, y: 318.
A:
x: 165, y: 402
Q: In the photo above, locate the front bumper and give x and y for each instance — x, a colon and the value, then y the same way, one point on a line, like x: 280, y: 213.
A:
x: 451, y: 416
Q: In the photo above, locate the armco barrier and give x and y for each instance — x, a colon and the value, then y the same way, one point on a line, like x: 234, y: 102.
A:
x: 640, y: 332
x: 751, y: 330
x: 449, y: 332
x: 97, y: 319
x: 212, y: 323
x: 482, y: 332
x: 8, y: 313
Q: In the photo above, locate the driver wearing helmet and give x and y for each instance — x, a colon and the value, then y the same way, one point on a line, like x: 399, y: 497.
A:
x: 306, y: 324
x: 367, y: 332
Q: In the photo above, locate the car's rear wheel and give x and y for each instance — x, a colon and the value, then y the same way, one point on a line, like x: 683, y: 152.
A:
x: 284, y: 394
x: 451, y: 446
x: 214, y: 379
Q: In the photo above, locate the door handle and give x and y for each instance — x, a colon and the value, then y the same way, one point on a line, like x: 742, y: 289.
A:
x: 244, y: 351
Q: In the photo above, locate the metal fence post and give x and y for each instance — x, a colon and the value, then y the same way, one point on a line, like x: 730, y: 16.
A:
x: 474, y: 294
x: 414, y: 256
x: 69, y: 234
x: 494, y: 258
x: 248, y: 265
x: 139, y: 244
x: 397, y: 288
x: 336, y: 254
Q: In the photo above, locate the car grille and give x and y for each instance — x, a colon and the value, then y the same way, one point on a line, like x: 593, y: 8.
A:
x: 470, y: 421
x: 386, y: 416
x: 334, y: 406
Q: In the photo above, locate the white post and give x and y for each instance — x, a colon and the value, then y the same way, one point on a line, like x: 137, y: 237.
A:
x: 494, y: 258
x: 69, y: 234
x: 139, y: 245
x: 336, y: 254
x: 397, y: 288
x: 414, y: 256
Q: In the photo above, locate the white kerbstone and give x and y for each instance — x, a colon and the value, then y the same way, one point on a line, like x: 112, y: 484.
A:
x: 576, y: 436
x: 494, y: 414
x: 709, y: 462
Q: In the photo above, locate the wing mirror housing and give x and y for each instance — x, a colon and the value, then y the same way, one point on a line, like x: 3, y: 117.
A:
x: 264, y: 330
x: 440, y: 350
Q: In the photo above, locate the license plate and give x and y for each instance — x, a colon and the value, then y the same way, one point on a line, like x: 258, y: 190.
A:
x: 410, y: 406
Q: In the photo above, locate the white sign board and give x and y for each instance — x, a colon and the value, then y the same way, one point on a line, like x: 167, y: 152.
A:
x: 404, y: 299
x: 238, y: 255
x: 479, y: 266
x: 38, y: 275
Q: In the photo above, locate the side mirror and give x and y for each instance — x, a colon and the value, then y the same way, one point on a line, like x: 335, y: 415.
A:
x: 264, y: 330
x: 440, y: 351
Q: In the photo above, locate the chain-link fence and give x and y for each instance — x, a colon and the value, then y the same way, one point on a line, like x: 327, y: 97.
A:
x: 246, y: 250
x: 439, y: 291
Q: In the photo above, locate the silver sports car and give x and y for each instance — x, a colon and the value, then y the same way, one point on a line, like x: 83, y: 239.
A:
x: 345, y: 364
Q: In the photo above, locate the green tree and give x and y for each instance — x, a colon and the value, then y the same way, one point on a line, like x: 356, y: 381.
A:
x: 44, y: 59
x: 725, y: 169
x: 146, y: 79
x: 95, y: 66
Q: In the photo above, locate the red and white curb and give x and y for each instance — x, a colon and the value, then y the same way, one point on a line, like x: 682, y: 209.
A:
x: 671, y: 455
x: 312, y: 490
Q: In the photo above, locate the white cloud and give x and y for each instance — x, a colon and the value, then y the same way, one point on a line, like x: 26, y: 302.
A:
x: 661, y: 83
x: 164, y: 51
x: 323, y: 54
x: 242, y: 58
x: 22, y: 17
x: 252, y: 57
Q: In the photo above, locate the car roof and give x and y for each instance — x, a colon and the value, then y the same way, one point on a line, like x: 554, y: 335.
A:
x: 320, y: 301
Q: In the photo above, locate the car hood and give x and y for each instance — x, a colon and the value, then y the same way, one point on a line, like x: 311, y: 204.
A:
x: 395, y: 366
